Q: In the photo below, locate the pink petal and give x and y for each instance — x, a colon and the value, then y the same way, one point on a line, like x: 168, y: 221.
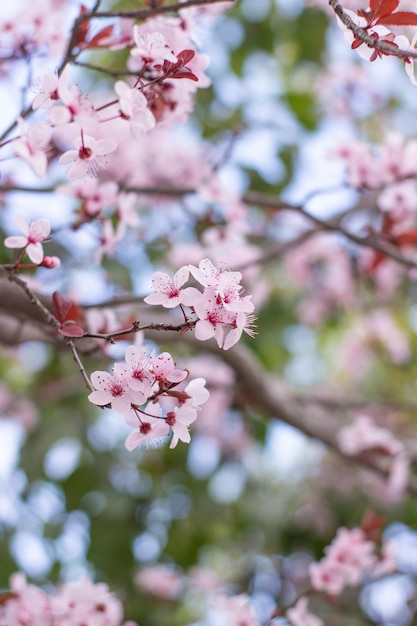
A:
x: 35, y: 252
x: 15, y: 242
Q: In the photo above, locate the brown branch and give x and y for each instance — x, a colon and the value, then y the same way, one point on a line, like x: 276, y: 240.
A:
x: 369, y: 40
x: 138, y: 14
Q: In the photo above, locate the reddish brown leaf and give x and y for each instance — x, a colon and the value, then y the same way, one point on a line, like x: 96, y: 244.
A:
x: 384, y: 7
x: 71, y: 330
x: 401, y: 18
x: 407, y: 238
x: 185, y: 56
x: 61, y: 305
x: 82, y: 30
x: 95, y: 42
x: 185, y: 74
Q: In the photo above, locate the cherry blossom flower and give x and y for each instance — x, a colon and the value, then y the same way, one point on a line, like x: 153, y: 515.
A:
x: 347, y: 558
x: 228, y: 293
x: 197, y: 392
x: 88, y: 157
x: 206, y: 273
x: 179, y: 420
x: 108, y: 240
x: 214, y: 319
x: 52, y: 85
x: 148, y: 424
x: 168, y: 292
x: 162, y: 581
x: 363, y: 434
x: 134, y: 108
x: 164, y: 370
x: 73, y: 106
x: 237, y: 609
x: 34, y: 234
x: 140, y: 376
x: 114, y: 390
x: 32, y: 145
x: 84, y: 602
x: 300, y: 616
x: 151, y: 46
x: 95, y: 196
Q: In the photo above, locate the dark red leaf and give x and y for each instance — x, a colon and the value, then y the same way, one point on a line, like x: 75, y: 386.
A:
x: 185, y: 74
x: 61, y: 306
x: 71, y: 330
x: 401, y: 18
x: 185, y: 56
x: 82, y: 30
x: 384, y: 7
x: 407, y: 238
x: 95, y: 42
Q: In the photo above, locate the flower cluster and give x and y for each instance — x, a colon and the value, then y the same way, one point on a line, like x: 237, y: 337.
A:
x: 220, y: 309
x: 347, y: 558
x: 72, y: 604
x: 147, y: 390
x: 364, y: 436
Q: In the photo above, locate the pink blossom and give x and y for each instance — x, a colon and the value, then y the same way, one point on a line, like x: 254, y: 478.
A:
x: 134, y: 108
x: 164, y: 370
x: 140, y: 377
x: 126, y: 212
x: 94, y: 195
x: 214, y: 319
x: 197, y: 392
x: 179, y: 420
x: 228, y: 293
x: 85, y: 602
x: 347, y: 558
x: 162, y: 581
x: 237, y: 609
x: 151, y: 46
x: 114, y: 390
x: 168, y: 292
x: 32, y: 145
x: 108, y: 240
x: 148, y: 424
x: 74, y: 107
x: 206, y: 273
x: 34, y: 234
x: 300, y: 616
x: 363, y: 434
x: 324, y: 576
x: 52, y: 85
x: 88, y: 157
x: 27, y: 605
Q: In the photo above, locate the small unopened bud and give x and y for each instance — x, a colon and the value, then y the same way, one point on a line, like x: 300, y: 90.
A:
x: 50, y: 262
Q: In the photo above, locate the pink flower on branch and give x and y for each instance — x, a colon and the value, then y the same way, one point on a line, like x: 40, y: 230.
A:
x: 299, y: 614
x: 149, y: 426
x: 31, y: 239
x: 168, y: 292
x: 88, y: 157
x: 151, y: 46
x: 32, y: 144
x: 114, y: 390
x: 134, y: 108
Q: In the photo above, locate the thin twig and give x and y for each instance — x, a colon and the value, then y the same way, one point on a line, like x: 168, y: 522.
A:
x: 369, y: 40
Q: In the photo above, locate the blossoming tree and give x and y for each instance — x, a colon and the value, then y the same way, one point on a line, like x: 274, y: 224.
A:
x: 207, y: 313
